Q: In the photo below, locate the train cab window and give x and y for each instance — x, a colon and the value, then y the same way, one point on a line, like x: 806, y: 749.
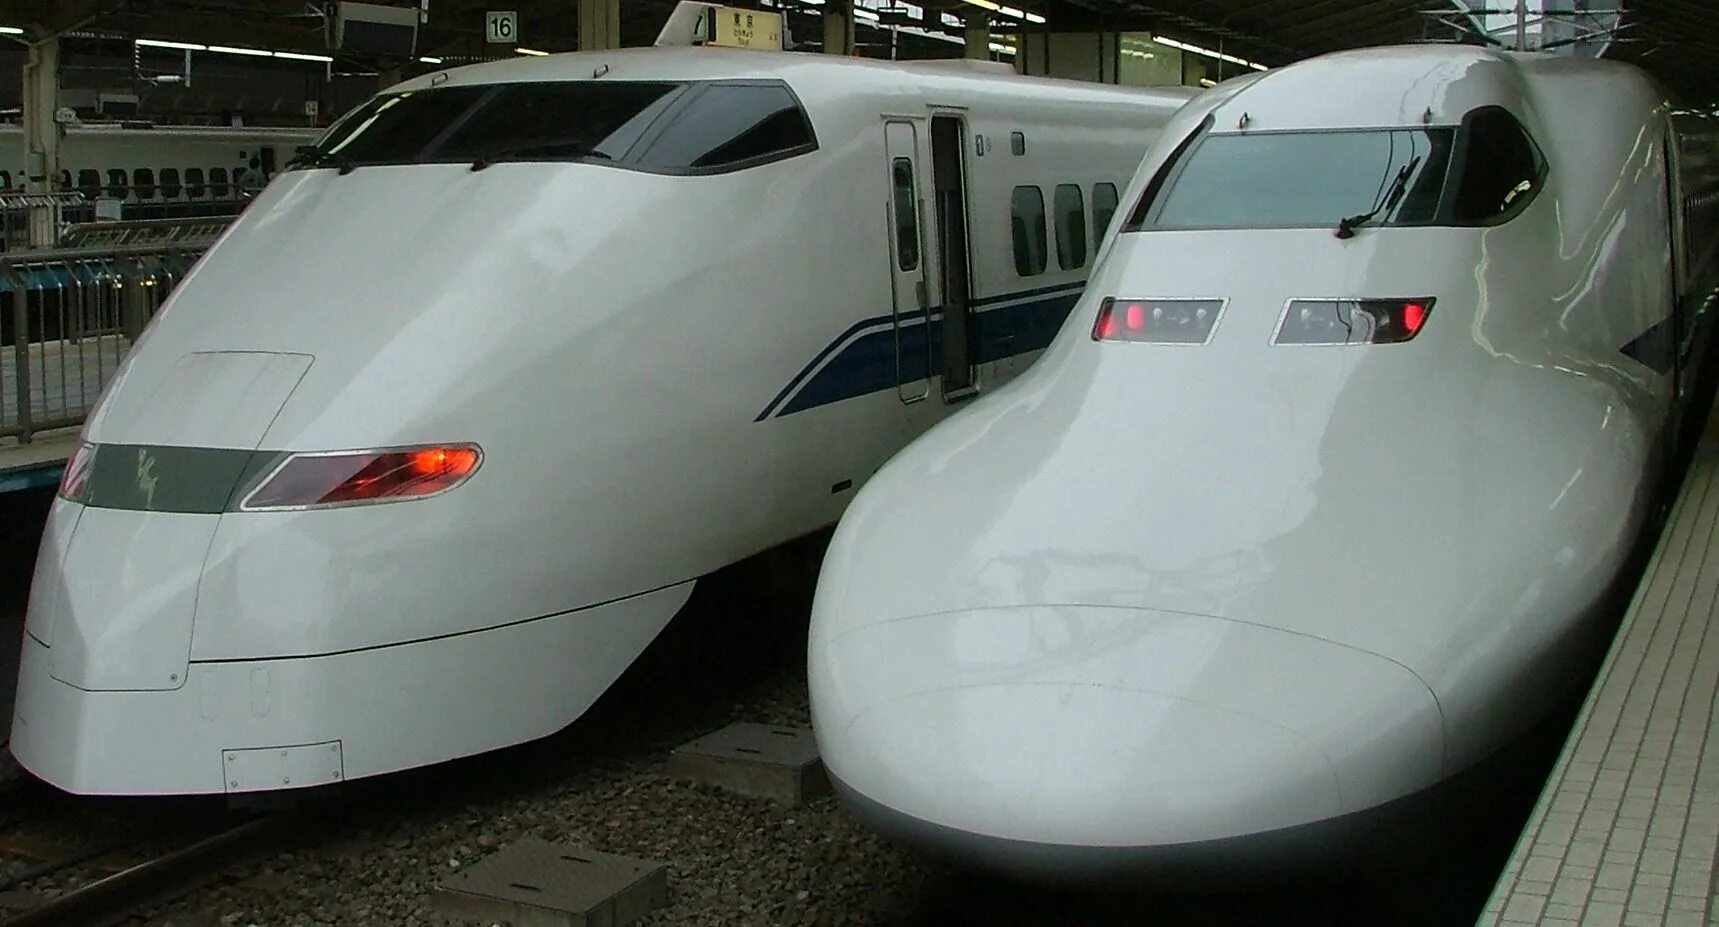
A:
x: 170, y: 186
x: 194, y: 183
x: 663, y: 126
x: 1027, y: 219
x: 1301, y: 179
x: 89, y: 183
x: 1501, y: 167
x: 218, y: 182
x: 1070, y: 227
x: 731, y: 126
x: 1104, y: 201
x: 117, y: 185
x: 906, y: 215
x: 143, y: 180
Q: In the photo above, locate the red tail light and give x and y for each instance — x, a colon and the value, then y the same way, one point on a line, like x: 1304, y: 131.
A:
x: 1157, y: 321
x: 1352, y: 321
x: 75, y: 478
x: 348, y: 478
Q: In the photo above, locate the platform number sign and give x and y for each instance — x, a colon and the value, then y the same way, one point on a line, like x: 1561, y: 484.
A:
x: 501, y: 27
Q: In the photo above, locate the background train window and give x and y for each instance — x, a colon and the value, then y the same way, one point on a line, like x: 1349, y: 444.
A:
x: 1070, y: 226
x: 170, y: 186
x: 906, y: 215
x: 218, y: 182
x: 1306, y: 179
x: 116, y: 183
x: 1501, y: 170
x: 65, y: 179
x: 5, y: 180
x: 1104, y: 201
x: 89, y: 183
x: 194, y: 182
x: 729, y: 125
x: 143, y: 180
x: 1027, y: 218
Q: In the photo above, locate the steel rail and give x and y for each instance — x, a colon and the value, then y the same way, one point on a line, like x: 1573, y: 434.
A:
x: 165, y: 878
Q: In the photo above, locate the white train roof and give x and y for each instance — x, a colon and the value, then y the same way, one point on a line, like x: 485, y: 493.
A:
x: 815, y: 78
x: 1401, y: 85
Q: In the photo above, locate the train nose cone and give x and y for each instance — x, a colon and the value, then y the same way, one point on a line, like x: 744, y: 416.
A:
x: 1000, y: 730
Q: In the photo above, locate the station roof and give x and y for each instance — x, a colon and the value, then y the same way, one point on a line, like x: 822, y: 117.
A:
x: 1677, y: 40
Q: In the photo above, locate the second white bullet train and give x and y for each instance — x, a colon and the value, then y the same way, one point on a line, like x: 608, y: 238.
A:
x: 1313, y: 501
x: 442, y: 432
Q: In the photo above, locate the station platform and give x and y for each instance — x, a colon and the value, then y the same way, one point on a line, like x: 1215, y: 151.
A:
x: 1626, y: 829
x: 37, y: 464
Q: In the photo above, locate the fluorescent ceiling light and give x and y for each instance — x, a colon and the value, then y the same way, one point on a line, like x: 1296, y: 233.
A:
x: 1002, y: 49
x: 159, y: 43
x: 1195, y: 49
x: 865, y: 14
x: 11, y: 30
x: 428, y: 60
x: 299, y: 56
x: 253, y: 52
x: 532, y: 52
x: 1208, y: 82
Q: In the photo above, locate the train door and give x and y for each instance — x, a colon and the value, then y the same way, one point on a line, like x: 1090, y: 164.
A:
x: 949, y: 182
x: 907, y: 262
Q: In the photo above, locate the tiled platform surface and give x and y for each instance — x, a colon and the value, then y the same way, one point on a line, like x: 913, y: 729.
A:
x: 1626, y: 829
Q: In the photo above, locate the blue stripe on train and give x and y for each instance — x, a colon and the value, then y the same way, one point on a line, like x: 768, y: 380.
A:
x: 867, y: 364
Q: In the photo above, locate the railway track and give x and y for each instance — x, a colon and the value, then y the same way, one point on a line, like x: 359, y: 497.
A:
x: 122, y: 891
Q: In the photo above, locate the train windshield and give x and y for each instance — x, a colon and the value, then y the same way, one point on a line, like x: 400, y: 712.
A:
x: 659, y: 126
x: 1303, y: 180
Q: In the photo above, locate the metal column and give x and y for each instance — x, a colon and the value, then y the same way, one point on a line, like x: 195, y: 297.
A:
x: 978, y: 35
x: 42, y: 132
x: 839, y: 27
x: 599, y: 24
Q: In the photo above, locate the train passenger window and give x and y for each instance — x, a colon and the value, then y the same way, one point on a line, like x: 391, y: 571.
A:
x: 117, y: 185
x: 170, y: 186
x: 1103, y: 209
x: 194, y: 182
x: 906, y: 215
x: 143, y: 180
x: 729, y: 126
x: 1028, y: 224
x: 1070, y: 227
x: 218, y: 182
x: 89, y: 183
x: 1501, y: 170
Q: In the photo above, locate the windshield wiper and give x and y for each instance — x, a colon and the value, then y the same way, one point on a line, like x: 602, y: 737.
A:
x: 311, y: 156
x: 562, y: 149
x: 1399, y: 187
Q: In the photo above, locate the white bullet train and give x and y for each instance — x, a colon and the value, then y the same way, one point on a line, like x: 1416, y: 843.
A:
x: 441, y: 433
x: 1312, y: 502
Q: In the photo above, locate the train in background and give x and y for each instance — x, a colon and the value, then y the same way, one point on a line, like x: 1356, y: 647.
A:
x: 1322, y: 495
x: 158, y: 172
x: 429, y: 447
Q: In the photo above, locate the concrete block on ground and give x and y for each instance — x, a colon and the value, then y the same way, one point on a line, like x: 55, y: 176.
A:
x: 535, y: 883
x: 762, y: 760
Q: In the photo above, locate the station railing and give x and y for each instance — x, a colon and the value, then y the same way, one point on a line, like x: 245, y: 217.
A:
x: 67, y: 318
